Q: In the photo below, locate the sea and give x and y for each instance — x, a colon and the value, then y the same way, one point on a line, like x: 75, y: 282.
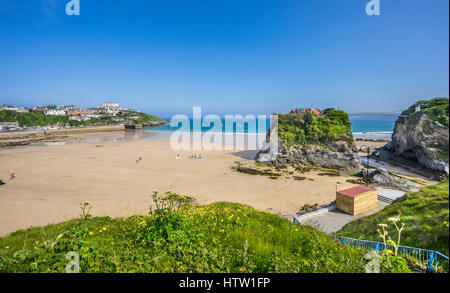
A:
x: 373, y: 127
x: 363, y: 127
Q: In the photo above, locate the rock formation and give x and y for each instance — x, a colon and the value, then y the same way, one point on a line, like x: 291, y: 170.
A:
x: 381, y: 177
x: 341, y: 157
x: 308, y: 139
x: 421, y: 139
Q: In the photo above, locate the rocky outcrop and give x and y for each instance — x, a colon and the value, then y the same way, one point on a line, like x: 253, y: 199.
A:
x: 421, y: 144
x: 155, y: 123
x: 381, y: 177
x: 338, y: 156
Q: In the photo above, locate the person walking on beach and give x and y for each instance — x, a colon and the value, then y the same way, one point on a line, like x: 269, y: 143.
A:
x: 13, y: 175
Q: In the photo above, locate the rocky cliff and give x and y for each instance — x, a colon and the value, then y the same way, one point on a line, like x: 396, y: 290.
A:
x: 421, y: 138
x: 341, y: 157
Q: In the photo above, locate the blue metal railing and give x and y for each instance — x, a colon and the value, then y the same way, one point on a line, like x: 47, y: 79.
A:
x: 428, y: 259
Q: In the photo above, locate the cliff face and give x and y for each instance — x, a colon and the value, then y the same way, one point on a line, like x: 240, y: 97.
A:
x: 421, y: 142
x: 342, y: 157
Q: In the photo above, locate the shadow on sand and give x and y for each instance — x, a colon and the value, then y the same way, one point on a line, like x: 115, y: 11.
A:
x: 246, y: 155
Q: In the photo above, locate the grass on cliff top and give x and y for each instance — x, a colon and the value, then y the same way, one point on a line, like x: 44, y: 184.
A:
x: 425, y: 214
x: 223, y: 237
x: 333, y: 125
x: 143, y: 117
x: 437, y: 109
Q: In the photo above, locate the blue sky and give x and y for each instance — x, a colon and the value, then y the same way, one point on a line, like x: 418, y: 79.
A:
x: 233, y: 56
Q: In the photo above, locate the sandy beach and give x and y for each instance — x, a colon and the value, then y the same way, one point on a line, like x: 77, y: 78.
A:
x: 362, y: 145
x: 52, y: 180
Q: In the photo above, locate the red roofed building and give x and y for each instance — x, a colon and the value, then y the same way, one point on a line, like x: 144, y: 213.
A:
x: 306, y: 110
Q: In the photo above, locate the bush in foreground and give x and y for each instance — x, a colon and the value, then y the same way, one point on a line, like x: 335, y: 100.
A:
x: 223, y: 238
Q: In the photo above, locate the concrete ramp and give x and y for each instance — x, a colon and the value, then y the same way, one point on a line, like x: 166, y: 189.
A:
x: 389, y: 195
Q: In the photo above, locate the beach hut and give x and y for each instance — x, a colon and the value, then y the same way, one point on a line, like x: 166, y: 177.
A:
x: 356, y: 200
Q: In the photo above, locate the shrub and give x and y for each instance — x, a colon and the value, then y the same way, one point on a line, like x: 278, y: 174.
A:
x: 392, y: 264
x: 35, y: 119
x: 220, y: 238
x: 437, y: 109
x: 333, y: 125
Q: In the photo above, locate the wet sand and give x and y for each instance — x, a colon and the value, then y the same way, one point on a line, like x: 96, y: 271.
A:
x: 63, y: 135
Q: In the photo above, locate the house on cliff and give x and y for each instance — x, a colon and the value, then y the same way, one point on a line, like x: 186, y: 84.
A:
x: 306, y: 110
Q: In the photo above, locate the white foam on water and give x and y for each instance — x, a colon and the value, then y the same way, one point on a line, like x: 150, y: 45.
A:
x: 385, y: 135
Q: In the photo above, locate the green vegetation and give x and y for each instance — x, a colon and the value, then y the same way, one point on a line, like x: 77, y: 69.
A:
x: 177, y: 237
x: 35, y: 119
x: 389, y: 257
x: 436, y: 109
x: 253, y: 171
x: 425, y: 214
x: 308, y: 128
x: 439, y: 152
x: 223, y: 237
x: 143, y: 118
x: 32, y: 119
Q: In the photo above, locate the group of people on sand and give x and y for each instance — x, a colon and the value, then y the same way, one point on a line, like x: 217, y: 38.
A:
x: 138, y: 160
x: 12, y: 176
x: 191, y: 157
x: 195, y: 157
